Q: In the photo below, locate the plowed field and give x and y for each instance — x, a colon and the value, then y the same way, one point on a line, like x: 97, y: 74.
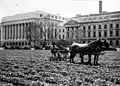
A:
x: 33, y: 68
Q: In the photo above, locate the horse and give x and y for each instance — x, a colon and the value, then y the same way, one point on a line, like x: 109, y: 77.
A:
x: 85, y: 49
x: 107, y: 47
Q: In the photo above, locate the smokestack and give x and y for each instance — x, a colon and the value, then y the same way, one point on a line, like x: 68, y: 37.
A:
x: 100, y: 6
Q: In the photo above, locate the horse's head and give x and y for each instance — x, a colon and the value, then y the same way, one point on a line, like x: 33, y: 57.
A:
x: 106, y: 44
x: 97, y: 44
x: 100, y: 44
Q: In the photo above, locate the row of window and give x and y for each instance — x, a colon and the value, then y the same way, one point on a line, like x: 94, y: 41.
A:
x: 100, y: 26
x: 49, y: 23
x: 61, y: 37
x: 100, y: 34
x: 61, y: 30
x: 94, y: 27
x: 76, y: 28
x: 53, y: 16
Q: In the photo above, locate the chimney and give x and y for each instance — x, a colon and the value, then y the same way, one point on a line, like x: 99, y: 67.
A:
x: 100, y: 6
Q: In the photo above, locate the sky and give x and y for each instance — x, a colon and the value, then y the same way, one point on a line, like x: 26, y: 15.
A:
x: 66, y: 8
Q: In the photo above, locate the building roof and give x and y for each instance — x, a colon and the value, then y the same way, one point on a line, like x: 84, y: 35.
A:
x: 97, y: 17
x: 30, y: 15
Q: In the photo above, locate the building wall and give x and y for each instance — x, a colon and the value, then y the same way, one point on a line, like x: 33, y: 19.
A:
x: 91, y: 30
x: 22, y: 29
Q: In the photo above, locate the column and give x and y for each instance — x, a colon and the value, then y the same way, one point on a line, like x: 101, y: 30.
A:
x: 2, y: 33
x: 6, y: 32
x: 18, y: 31
x: 9, y: 32
x: 21, y: 31
x: 13, y: 32
x: 24, y: 30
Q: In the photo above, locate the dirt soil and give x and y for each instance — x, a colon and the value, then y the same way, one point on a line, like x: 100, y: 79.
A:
x: 33, y: 68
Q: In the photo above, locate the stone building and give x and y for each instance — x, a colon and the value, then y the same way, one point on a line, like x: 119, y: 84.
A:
x: 30, y: 28
x: 90, y: 27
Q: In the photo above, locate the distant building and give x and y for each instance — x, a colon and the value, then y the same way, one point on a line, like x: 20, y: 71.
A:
x: 30, y: 28
x: 90, y: 27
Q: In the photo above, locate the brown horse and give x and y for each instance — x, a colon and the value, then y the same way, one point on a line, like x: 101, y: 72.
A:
x: 85, y: 49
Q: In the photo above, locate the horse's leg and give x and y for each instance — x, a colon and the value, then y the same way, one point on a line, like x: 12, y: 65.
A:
x: 89, y: 61
x: 72, y: 55
x: 97, y: 57
x: 81, y: 56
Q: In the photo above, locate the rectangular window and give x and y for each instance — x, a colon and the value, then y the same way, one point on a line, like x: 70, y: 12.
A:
x: 88, y: 27
x: 117, y: 33
x: 89, y: 34
x: 111, y: 33
x: 94, y: 34
x: 41, y: 15
x: 59, y: 36
x: 111, y: 25
x: 63, y: 30
x: 63, y: 36
x: 83, y: 27
x: 94, y: 27
x: 117, y: 25
x: 99, y: 34
x: 105, y: 26
x: 105, y: 33
x: 99, y: 26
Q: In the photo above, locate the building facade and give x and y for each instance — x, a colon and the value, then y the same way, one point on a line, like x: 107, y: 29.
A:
x: 61, y: 32
x: 90, y: 27
x: 30, y: 28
